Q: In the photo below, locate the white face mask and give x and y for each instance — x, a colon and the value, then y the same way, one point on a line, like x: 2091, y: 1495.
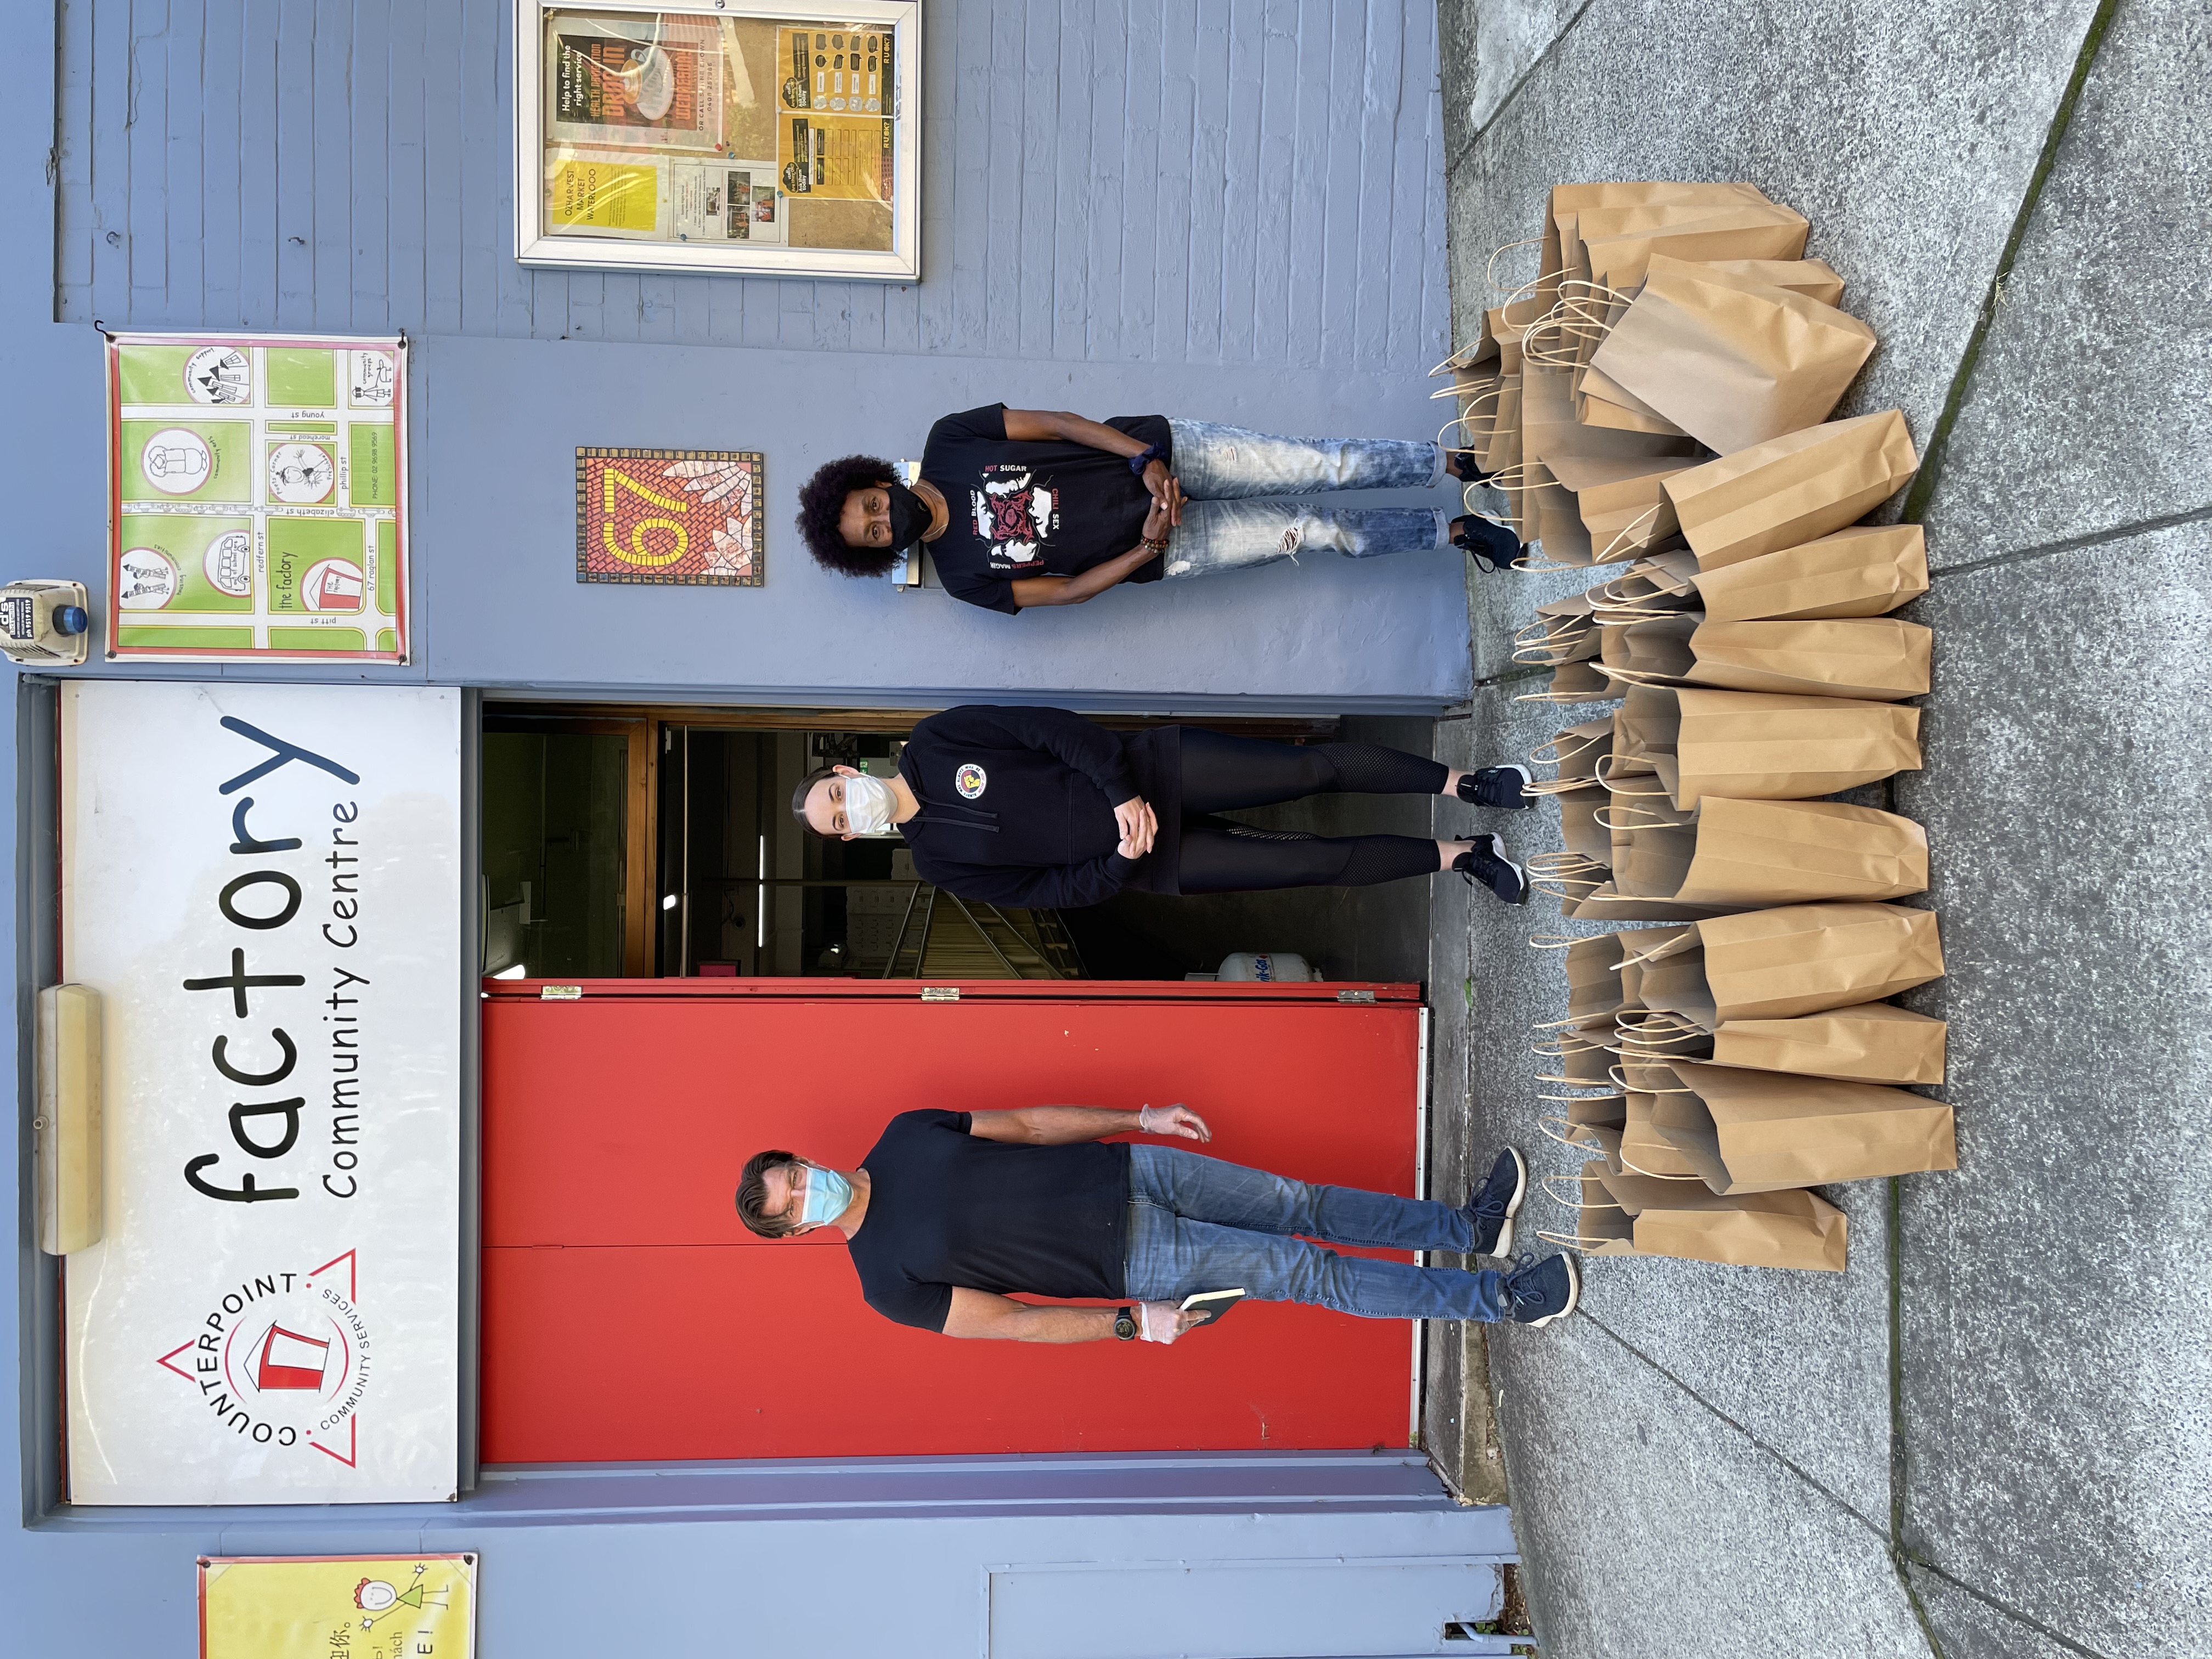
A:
x: 869, y: 804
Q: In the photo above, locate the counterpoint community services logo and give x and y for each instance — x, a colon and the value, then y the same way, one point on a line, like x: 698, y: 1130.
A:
x: 281, y: 1358
x: 970, y: 781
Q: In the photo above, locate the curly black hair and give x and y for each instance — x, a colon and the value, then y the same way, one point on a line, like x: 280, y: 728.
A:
x: 821, y: 501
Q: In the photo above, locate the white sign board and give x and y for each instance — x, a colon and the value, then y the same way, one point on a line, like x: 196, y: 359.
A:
x: 263, y: 881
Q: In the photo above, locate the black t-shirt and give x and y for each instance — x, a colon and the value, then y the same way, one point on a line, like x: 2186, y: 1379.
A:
x: 947, y: 1209
x: 1033, y: 509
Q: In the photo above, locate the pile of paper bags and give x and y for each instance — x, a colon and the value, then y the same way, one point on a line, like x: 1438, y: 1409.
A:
x: 1658, y: 399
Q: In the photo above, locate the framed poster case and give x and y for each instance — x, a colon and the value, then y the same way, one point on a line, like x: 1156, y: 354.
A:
x: 742, y: 136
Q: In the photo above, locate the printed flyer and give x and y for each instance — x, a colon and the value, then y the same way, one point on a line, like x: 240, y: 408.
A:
x: 358, y: 1607
x: 257, y: 497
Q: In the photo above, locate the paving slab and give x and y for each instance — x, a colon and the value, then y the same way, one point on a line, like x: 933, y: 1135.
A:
x: 1970, y: 1627
x: 2057, y: 1322
x: 1907, y: 134
x: 1800, y: 1359
x: 2087, y: 412
x: 1648, y: 1525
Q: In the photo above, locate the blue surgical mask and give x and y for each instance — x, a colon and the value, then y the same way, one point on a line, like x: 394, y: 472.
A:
x: 825, y: 1196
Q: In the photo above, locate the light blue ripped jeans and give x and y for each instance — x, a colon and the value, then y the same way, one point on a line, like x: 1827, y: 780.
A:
x: 1224, y: 468
x: 1199, y: 1223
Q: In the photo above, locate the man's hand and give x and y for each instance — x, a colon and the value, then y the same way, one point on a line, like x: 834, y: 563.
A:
x: 1166, y: 491
x: 1139, y: 825
x: 1175, y: 1119
x: 1163, y: 1321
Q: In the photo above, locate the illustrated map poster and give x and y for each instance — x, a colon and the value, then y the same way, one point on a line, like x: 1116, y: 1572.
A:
x: 338, y: 1607
x: 257, y: 497
x: 689, y: 517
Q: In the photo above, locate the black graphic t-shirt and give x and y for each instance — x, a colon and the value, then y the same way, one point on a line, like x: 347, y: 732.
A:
x: 1024, y: 509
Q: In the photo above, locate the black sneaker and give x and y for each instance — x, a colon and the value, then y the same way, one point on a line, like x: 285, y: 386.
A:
x: 1501, y: 787
x: 1485, y: 862
x: 1495, y: 1203
x: 1538, y: 1292
x: 1464, y: 465
x: 1489, y: 544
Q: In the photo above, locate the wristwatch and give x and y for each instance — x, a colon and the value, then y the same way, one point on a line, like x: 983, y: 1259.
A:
x: 1124, y: 1324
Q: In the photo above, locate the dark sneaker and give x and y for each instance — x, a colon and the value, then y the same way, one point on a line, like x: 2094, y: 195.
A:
x: 1489, y: 544
x: 1485, y: 863
x: 1465, y: 466
x: 1505, y: 787
x: 1538, y: 1292
x: 1496, y: 1202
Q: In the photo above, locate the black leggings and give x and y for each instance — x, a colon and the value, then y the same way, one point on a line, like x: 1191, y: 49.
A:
x: 1222, y: 774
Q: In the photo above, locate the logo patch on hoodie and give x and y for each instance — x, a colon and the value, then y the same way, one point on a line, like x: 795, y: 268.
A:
x: 970, y: 781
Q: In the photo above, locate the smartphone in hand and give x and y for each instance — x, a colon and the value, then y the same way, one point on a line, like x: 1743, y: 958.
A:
x: 1211, y: 1304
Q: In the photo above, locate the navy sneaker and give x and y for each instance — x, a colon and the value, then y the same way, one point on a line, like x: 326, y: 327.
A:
x: 1505, y: 787
x: 1489, y: 544
x: 1538, y: 1292
x: 1496, y: 1202
x: 1485, y: 863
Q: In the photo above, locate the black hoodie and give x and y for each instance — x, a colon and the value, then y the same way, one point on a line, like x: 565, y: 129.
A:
x: 1017, y: 805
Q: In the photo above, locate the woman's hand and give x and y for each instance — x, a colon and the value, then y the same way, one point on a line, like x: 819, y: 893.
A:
x: 1139, y: 824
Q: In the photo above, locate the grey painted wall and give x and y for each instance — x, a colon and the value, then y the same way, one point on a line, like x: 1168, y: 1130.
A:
x: 1226, y: 210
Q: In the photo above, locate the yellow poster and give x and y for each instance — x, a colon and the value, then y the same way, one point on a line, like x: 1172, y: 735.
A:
x: 588, y: 194
x: 346, y: 1606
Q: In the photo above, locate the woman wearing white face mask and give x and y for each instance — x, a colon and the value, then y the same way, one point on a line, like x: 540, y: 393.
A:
x: 1042, y: 808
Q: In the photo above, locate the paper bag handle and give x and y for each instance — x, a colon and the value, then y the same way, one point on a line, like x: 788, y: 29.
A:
x: 1623, y: 1084
x: 1653, y: 1174
x: 1562, y: 698
x: 1544, y: 1121
x: 1579, y: 1201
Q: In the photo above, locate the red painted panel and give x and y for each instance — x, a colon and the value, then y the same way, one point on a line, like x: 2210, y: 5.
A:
x: 628, y: 1316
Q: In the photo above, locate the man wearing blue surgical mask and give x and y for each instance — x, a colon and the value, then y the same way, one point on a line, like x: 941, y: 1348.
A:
x: 951, y: 1215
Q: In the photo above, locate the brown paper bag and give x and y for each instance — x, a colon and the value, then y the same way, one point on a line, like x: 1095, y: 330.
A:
x: 1603, y: 1224
x: 1575, y: 751
x: 1751, y: 855
x: 1866, y: 571
x: 1760, y: 1132
x: 1815, y: 278
x: 1792, y: 489
x: 1748, y: 746
x: 1783, y: 962
x: 1618, y: 243
x: 1562, y: 234
x: 1596, y: 989
x: 1579, y: 1054
x: 1643, y: 1150
x: 1602, y: 402
x: 1580, y: 829
x: 1794, y: 1229
x: 1568, y: 877
x: 1550, y: 433
x: 1608, y: 903
x: 1880, y: 658
x: 1574, y: 681
x: 1623, y: 507
x: 1866, y: 1042
x: 1564, y: 631
x: 1731, y: 361
x: 1659, y: 584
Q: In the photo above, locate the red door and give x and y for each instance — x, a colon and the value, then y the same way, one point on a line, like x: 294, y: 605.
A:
x: 628, y: 1316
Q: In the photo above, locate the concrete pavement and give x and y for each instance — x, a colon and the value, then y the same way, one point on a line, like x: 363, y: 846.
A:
x: 1991, y: 1435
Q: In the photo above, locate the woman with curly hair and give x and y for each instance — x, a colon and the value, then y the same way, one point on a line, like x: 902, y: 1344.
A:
x: 1024, y: 506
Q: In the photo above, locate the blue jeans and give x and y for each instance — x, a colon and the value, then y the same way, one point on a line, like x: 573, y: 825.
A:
x: 1197, y: 1223
x: 1224, y: 468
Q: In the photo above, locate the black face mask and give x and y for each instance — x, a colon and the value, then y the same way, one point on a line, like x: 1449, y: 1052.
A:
x: 909, y: 516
